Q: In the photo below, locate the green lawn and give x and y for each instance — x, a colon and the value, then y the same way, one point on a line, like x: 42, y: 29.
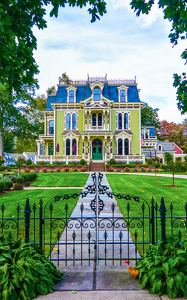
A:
x: 11, y: 201
x: 61, y: 180
x: 146, y: 187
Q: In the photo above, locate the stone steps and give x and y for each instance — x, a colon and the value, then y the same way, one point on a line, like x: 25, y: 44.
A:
x: 97, y: 167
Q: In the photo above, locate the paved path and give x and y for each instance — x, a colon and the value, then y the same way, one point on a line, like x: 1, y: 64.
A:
x: 84, y: 278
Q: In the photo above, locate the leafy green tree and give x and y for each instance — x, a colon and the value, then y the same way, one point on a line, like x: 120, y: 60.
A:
x: 149, y: 116
x: 51, y: 90
x: 65, y: 78
x: 176, y: 13
x: 17, y: 40
x: 9, y: 141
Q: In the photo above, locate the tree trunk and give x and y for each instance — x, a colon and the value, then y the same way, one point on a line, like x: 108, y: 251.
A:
x: 1, y: 142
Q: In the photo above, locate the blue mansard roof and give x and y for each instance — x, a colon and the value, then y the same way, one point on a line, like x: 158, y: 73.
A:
x: 51, y: 99
x: 84, y: 91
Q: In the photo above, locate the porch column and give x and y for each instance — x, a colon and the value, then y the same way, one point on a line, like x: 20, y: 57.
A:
x: 64, y: 147
x: 110, y: 147
x: 88, y: 148
x: 78, y: 147
x: 108, y: 119
x: 54, y: 141
x: 85, y: 117
x: 103, y: 119
x: 105, y: 148
x: 83, y: 147
x: 38, y: 147
x: 45, y: 129
x: 90, y: 119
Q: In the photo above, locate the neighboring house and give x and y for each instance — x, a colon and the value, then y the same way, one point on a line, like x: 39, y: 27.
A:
x: 151, y: 147
x: 94, y: 118
x: 10, y: 158
x: 30, y: 155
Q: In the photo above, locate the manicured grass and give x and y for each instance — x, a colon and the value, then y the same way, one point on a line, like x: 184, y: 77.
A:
x: 146, y: 187
x: 61, y: 180
x: 11, y: 201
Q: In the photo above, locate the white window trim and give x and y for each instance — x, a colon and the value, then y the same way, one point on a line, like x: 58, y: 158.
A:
x: 128, y: 121
x: 71, y: 88
x: 120, y: 88
x: 71, y: 120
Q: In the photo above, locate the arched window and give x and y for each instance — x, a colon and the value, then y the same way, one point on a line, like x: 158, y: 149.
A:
x: 100, y: 119
x: 74, y: 147
x: 94, y: 119
x: 126, y: 146
x: 71, y: 96
x: 122, y: 96
x: 51, y: 127
x: 67, y: 147
x: 119, y: 121
x: 125, y: 121
x: 68, y: 121
x: 97, y: 94
x: 120, y: 147
x: 74, y: 121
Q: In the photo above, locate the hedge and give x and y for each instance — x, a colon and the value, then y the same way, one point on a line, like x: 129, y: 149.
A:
x: 2, y: 185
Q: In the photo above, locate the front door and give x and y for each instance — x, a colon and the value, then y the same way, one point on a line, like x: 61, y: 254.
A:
x: 97, y: 149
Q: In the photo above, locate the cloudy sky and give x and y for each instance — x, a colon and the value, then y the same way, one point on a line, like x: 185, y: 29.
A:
x: 120, y: 44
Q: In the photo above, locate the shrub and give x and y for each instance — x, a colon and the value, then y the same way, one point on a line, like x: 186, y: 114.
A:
x: 126, y: 169
x: 58, y: 163
x: 163, y: 269
x: 28, y: 162
x: 118, y: 170
x: 29, y: 177
x: 157, y: 170
x: 27, y: 170
x: 52, y: 170
x: 58, y: 169
x: 111, y: 169
x: 75, y: 169
x: 27, y: 183
x: 74, y: 164
x: 2, y: 186
x: 79, y: 170
x: 112, y: 161
x: 18, y: 186
x: 83, y: 169
x: 66, y: 169
x: 135, y: 169
x: 71, y: 170
x: 82, y: 162
x: 8, y: 185
x: 33, y: 165
x: 36, y: 171
x: 142, y: 169
x: 44, y: 169
x: 20, y: 180
x: 26, y: 272
x: 149, y: 162
x: 149, y: 170
x: 41, y: 163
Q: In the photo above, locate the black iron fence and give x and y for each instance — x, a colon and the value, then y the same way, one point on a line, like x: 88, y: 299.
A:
x: 97, y: 237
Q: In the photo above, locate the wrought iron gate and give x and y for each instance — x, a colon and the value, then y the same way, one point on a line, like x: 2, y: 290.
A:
x: 91, y: 234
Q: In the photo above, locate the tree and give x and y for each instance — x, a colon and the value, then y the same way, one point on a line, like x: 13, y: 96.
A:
x: 17, y: 41
x: 167, y: 130
x: 51, y: 90
x: 9, y: 142
x: 65, y: 79
x: 176, y: 13
x: 149, y: 116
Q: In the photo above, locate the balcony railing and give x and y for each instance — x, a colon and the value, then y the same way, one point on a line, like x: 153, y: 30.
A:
x: 59, y: 158
x: 97, y: 128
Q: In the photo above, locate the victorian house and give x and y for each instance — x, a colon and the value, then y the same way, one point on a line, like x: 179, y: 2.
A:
x: 95, y: 119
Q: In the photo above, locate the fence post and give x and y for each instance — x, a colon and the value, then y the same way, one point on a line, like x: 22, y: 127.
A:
x: 163, y: 219
x: 27, y: 211
x: 153, y: 221
x: 41, y: 222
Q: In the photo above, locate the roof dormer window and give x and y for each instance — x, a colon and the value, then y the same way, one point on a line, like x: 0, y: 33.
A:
x: 97, y: 94
x: 71, y: 96
x: 122, y: 96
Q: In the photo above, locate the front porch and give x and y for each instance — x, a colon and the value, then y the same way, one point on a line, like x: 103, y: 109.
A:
x: 51, y: 159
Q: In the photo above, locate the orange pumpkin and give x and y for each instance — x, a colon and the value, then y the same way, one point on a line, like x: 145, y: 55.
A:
x: 133, y: 271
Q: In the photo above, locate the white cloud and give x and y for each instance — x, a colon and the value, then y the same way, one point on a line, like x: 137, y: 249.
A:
x: 120, y: 45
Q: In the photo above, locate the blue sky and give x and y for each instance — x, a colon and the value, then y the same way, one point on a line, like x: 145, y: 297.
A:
x: 120, y: 44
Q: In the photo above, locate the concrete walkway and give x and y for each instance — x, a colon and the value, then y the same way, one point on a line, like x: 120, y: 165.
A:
x: 107, y: 282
